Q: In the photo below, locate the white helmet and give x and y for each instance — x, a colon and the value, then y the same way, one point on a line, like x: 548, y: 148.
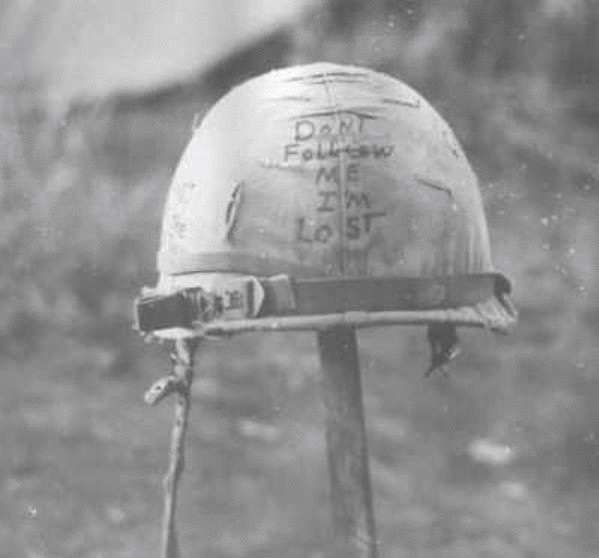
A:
x: 320, y: 190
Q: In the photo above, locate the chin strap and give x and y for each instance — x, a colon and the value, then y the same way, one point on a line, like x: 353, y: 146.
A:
x: 444, y: 344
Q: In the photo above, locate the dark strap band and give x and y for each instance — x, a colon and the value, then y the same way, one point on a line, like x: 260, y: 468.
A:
x: 283, y: 296
x: 377, y: 294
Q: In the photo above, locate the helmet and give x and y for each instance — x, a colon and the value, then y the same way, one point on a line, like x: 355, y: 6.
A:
x: 329, y: 189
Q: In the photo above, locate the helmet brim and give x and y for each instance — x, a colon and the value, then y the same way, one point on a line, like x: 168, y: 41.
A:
x: 496, y: 314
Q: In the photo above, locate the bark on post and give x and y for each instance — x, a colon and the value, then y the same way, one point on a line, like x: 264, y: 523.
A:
x: 353, y: 516
x: 178, y: 382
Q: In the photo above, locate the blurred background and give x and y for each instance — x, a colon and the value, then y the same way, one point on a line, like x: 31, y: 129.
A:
x: 500, y: 459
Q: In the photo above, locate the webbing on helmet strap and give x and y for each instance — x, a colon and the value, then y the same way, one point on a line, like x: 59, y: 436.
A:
x: 250, y: 297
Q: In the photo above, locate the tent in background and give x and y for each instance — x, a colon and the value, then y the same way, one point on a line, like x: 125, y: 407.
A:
x: 94, y: 48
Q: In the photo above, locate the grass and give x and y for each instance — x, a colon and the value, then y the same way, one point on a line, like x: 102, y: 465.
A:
x: 82, y: 457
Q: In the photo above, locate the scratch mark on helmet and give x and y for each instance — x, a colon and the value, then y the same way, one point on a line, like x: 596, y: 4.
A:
x: 232, y: 210
x: 411, y: 104
x: 335, y: 112
x: 267, y: 163
x: 349, y: 76
x: 435, y: 184
x: 293, y: 98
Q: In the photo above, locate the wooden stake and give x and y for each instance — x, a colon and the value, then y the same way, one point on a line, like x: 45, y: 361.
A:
x: 183, y: 375
x: 353, y: 516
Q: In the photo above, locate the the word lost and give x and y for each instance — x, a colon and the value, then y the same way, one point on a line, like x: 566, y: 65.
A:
x: 356, y: 226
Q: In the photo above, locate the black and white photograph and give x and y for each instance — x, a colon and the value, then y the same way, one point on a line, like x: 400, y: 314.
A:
x: 299, y: 279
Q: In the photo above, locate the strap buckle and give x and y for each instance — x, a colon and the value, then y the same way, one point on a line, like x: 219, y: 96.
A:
x: 233, y: 299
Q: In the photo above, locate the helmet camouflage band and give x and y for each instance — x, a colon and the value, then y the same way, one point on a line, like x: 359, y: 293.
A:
x: 327, y: 172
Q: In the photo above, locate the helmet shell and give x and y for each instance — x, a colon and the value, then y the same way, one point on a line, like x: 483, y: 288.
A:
x: 323, y: 170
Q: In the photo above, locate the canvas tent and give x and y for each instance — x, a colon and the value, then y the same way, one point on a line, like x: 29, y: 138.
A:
x: 93, y: 48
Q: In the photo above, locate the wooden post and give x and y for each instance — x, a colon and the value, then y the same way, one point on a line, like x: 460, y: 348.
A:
x: 353, y: 516
x: 178, y: 382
